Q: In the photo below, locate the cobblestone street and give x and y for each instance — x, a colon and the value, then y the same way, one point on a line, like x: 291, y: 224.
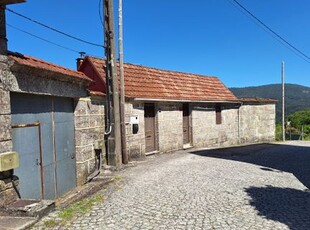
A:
x: 252, y: 187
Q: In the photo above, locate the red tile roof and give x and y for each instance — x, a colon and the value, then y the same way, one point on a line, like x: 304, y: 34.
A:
x: 152, y: 83
x: 32, y: 62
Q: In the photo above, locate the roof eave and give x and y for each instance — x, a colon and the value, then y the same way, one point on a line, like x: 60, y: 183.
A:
x: 183, y: 100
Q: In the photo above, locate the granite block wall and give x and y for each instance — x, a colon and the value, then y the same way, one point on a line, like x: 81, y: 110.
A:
x: 135, y: 141
x: 244, y: 125
x: 207, y: 133
x: 7, y: 192
x: 170, y: 126
x: 257, y: 123
x: 89, y: 135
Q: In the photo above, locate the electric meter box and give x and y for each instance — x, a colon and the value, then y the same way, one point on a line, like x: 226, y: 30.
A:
x: 8, y: 161
x: 134, y: 120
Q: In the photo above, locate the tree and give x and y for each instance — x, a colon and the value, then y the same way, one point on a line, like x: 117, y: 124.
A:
x: 299, y: 119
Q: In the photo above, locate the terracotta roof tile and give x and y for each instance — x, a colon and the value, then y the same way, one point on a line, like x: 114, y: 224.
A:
x: 43, y: 65
x: 152, y: 83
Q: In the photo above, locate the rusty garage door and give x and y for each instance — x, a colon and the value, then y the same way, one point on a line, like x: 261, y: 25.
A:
x: 43, y: 135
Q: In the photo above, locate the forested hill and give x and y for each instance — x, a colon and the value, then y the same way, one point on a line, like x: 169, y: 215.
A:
x: 297, y: 96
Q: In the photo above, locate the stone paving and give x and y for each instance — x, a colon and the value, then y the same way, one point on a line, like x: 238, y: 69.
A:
x: 211, y: 189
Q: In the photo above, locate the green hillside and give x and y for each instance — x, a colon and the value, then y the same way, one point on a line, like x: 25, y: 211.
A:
x: 297, y: 96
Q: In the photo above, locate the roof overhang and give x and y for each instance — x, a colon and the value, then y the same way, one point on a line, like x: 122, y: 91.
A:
x: 258, y: 101
x: 180, y: 100
x: 7, y: 2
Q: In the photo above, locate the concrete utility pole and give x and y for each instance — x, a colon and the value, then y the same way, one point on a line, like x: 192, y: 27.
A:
x: 122, y: 80
x: 283, y: 103
x: 114, y: 138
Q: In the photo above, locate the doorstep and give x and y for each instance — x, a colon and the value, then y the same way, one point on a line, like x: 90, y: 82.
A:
x: 151, y: 153
x: 30, y: 208
x: 22, y: 214
x: 187, y: 146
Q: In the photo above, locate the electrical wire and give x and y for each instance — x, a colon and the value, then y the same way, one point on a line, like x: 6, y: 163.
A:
x: 42, y: 39
x: 53, y: 29
x: 297, y: 51
x: 100, y: 16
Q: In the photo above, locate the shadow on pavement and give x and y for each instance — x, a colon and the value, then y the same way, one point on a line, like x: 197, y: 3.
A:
x: 288, y: 206
x: 272, y: 157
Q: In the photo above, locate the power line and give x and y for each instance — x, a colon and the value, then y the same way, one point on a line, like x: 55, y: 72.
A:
x: 43, y: 39
x: 55, y: 30
x: 268, y: 29
x: 99, y: 6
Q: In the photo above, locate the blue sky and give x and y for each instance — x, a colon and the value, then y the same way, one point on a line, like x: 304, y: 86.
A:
x: 209, y: 37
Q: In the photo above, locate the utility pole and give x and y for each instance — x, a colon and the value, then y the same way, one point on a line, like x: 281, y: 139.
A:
x: 122, y: 80
x: 114, y: 135
x: 283, y: 103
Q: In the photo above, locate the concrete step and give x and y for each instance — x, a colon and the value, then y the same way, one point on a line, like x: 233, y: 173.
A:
x: 32, y: 208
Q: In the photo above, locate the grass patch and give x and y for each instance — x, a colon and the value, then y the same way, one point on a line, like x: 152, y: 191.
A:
x: 117, y: 178
x: 79, y: 208
x: 50, y: 223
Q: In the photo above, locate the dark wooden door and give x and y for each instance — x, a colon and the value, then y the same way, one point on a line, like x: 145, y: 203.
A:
x: 186, y: 138
x: 149, y: 127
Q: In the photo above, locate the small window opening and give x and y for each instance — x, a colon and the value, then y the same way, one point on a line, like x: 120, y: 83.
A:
x: 218, y: 114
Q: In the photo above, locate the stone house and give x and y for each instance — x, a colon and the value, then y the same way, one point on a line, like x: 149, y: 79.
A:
x: 168, y: 110
x: 45, y: 113
x: 53, y: 118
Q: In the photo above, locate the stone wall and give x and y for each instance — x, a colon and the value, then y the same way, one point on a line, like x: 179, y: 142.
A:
x: 135, y: 141
x: 5, y: 108
x: 257, y: 123
x: 252, y: 123
x: 7, y: 192
x: 5, y: 121
x: 170, y: 126
x: 40, y: 83
x: 89, y: 135
x: 247, y: 124
x: 207, y: 133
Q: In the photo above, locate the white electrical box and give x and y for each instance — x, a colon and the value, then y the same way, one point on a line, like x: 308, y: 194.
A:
x: 9, y: 160
x: 134, y: 120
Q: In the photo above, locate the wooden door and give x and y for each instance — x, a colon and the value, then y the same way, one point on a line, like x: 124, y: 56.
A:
x: 149, y: 127
x: 186, y: 138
